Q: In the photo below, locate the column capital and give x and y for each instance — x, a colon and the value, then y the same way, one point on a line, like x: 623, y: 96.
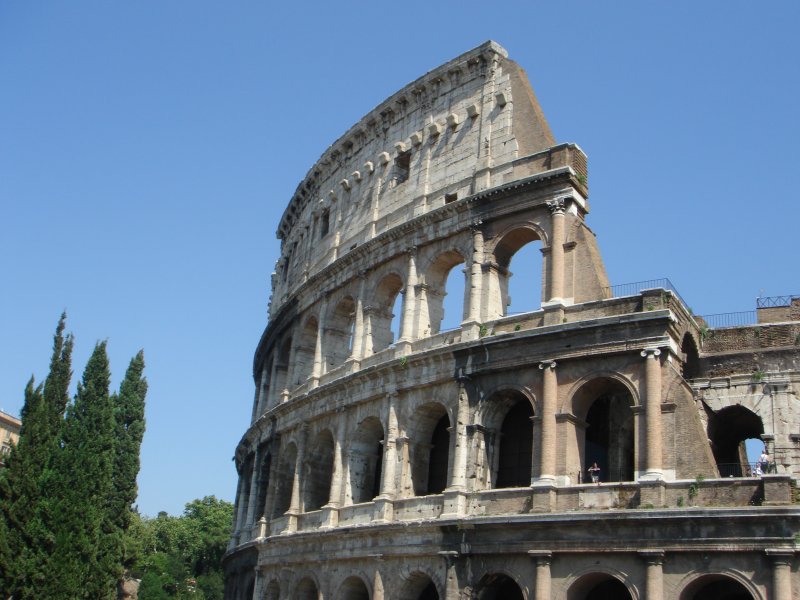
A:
x: 780, y: 556
x: 548, y: 364
x: 654, y: 352
x: 541, y: 557
x: 558, y: 206
x: 411, y: 251
x: 652, y: 557
x: 476, y: 226
x: 449, y: 556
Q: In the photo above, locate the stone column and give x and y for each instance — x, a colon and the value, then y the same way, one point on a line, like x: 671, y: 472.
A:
x: 295, y: 503
x: 652, y: 409
x: 273, y: 390
x: 781, y: 572
x: 358, y: 326
x: 251, y: 503
x: 547, y: 458
x: 451, y: 587
x: 475, y: 281
x: 389, y: 469
x: 409, y: 303
x: 458, y: 476
x: 319, y: 366
x: 557, y: 209
x: 330, y: 512
x: 542, y: 558
x: 654, y: 586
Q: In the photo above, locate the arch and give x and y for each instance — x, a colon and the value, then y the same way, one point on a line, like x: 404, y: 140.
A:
x: 382, y: 319
x: 509, y: 243
x: 339, y: 332
x: 719, y: 586
x: 728, y: 428
x: 318, y: 471
x: 690, y: 368
x: 247, y: 481
x: 507, y: 418
x: 306, y: 590
x: 437, y: 286
x: 497, y: 586
x: 283, y: 491
x: 272, y: 591
x: 605, y: 404
x: 430, y: 449
x: 353, y: 588
x: 365, y: 460
x: 418, y: 586
x: 263, y: 483
x: 305, y: 350
x: 600, y: 585
x: 281, y: 372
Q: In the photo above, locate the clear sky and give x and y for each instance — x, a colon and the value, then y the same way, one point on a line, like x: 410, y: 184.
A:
x: 147, y: 150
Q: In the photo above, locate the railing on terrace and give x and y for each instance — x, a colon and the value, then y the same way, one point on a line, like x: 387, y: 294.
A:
x: 745, y: 470
x: 775, y: 301
x: 732, y: 319
x: 631, y: 289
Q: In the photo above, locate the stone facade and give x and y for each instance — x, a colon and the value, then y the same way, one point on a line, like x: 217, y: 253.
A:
x: 9, y: 434
x: 387, y: 458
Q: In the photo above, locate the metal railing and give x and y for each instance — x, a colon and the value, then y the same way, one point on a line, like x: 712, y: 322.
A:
x: 745, y: 469
x: 732, y: 319
x: 775, y: 301
x: 631, y: 289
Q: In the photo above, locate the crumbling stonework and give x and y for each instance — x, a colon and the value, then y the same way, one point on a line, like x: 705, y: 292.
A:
x: 387, y: 458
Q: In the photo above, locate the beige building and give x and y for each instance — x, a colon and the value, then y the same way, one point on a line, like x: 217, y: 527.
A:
x: 9, y: 434
x: 388, y: 458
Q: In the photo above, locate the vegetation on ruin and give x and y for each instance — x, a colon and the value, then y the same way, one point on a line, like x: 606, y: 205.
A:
x: 68, y: 486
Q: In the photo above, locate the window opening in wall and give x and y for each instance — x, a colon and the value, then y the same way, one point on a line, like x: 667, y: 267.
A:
x: 729, y: 431
x: 439, y: 456
x: 397, y: 317
x: 453, y: 302
x: 263, y: 485
x: 402, y: 166
x: 448, y: 198
x: 525, y: 280
x: 609, y: 437
x: 324, y: 223
x: 716, y: 587
x: 516, y: 447
x: 498, y: 587
x: 318, y: 472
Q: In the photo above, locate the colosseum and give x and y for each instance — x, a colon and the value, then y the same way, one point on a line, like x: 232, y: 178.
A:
x: 391, y: 455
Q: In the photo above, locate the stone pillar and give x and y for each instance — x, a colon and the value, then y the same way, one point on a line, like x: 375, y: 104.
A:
x: 409, y: 304
x: 781, y: 572
x: 251, y: 503
x: 358, y: 326
x: 451, y: 587
x: 475, y: 283
x: 273, y: 390
x: 542, y: 558
x: 295, y: 503
x: 547, y: 458
x: 556, y: 279
x: 654, y: 585
x: 319, y: 366
x: 330, y: 512
x: 383, y: 503
x: 377, y: 585
x: 458, y: 476
x: 652, y: 409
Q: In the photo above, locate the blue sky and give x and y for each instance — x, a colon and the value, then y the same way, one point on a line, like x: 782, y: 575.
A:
x: 147, y: 150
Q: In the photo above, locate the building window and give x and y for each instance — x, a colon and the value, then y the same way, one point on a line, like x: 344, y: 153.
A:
x: 402, y: 166
x: 324, y: 224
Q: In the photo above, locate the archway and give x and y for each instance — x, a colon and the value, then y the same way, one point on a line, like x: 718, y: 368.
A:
x: 306, y: 590
x: 430, y: 449
x: 247, y: 480
x: 353, y: 589
x: 690, y: 368
x: 418, y: 586
x: 605, y: 405
x: 715, y: 587
x: 384, y: 314
x: 283, y: 493
x: 498, y: 586
x: 339, y: 333
x: 507, y: 418
x: 598, y: 586
x: 728, y: 429
x: 522, y: 246
x: 273, y: 591
x: 318, y: 472
x: 304, y: 352
x: 444, y: 294
x: 366, y: 460
x: 263, y: 482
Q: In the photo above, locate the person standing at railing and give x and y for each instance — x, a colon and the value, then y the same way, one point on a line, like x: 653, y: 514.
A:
x: 763, y: 463
x: 594, y: 472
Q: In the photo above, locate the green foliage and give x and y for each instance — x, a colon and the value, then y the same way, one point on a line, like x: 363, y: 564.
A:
x: 174, y: 551
x: 680, y: 501
x: 482, y: 331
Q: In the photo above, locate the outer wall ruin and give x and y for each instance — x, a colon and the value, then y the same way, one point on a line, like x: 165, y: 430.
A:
x: 389, y: 458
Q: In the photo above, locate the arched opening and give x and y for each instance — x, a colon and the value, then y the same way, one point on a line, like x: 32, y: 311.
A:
x: 605, y: 405
x: 318, y: 472
x: 505, y: 440
x: 273, y: 591
x: 498, y: 587
x: 247, y: 480
x: 306, y: 590
x: 304, y: 353
x: 729, y: 429
x: 281, y: 373
x: 262, y: 396
x: 715, y: 587
x: 430, y: 449
x: 283, y: 492
x: 418, y: 587
x: 263, y: 483
x: 690, y: 368
x: 366, y: 460
x: 444, y: 295
x: 353, y: 589
x: 385, y: 313
x: 598, y: 586
x: 339, y: 333
x: 521, y: 246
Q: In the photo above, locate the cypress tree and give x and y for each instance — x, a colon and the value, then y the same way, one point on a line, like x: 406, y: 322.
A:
x: 81, y: 487
x: 128, y: 432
